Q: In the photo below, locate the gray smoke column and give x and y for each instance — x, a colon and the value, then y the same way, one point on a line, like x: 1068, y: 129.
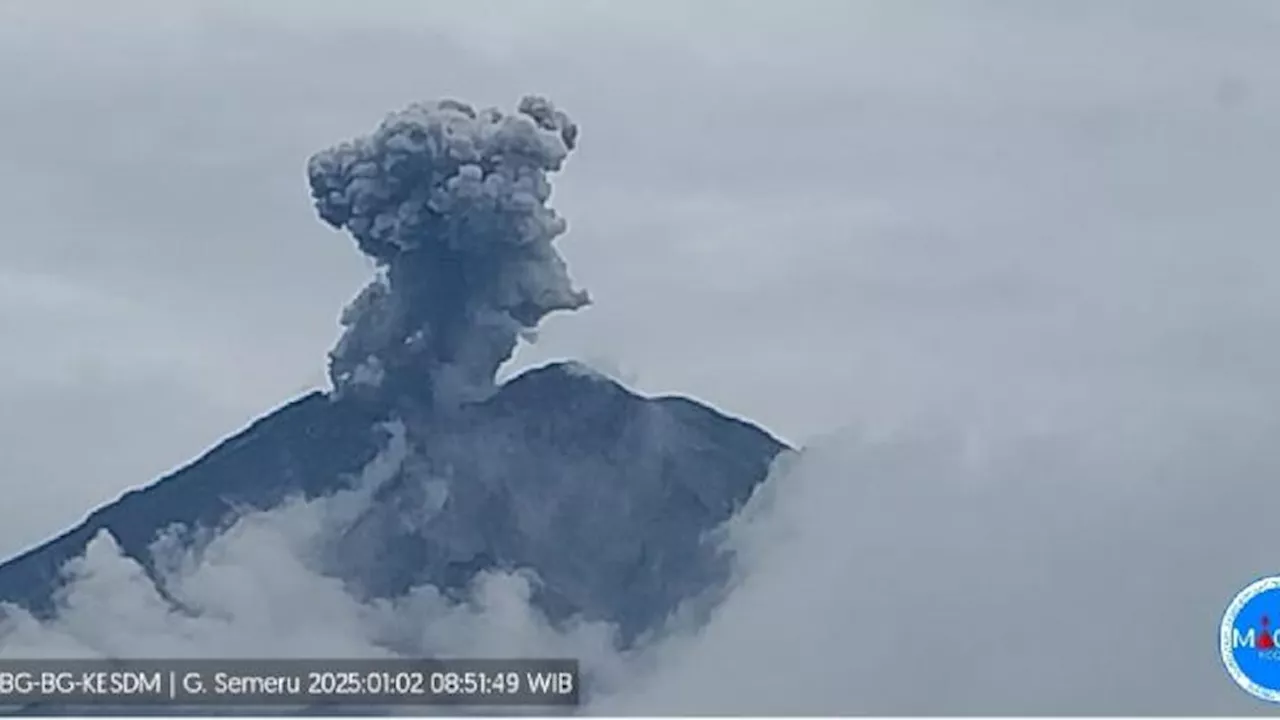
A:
x: 451, y: 203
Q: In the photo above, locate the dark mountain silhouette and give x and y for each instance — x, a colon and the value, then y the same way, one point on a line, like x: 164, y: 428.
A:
x: 603, y: 493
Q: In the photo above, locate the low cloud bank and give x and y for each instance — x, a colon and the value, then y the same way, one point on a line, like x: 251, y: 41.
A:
x: 1078, y: 568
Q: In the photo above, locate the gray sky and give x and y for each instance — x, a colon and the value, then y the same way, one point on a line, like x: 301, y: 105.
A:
x: 816, y: 215
x: 1041, y: 219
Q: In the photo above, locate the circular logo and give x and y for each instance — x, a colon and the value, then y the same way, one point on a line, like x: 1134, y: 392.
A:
x: 1250, y: 639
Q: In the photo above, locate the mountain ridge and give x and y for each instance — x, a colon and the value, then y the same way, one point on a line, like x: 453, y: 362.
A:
x: 552, y: 421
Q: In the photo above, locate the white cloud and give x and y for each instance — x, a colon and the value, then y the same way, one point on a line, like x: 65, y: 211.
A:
x: 257, y: 589
x: 943, y: 569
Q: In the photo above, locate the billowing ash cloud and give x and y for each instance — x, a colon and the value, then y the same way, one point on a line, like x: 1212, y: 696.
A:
x: 451, y: 203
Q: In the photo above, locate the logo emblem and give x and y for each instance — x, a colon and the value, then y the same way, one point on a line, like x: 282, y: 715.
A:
x: 1250, y: 639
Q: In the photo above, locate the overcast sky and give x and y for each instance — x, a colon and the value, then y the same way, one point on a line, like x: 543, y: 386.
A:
x: 811, y: 214
x: 1050, y: 225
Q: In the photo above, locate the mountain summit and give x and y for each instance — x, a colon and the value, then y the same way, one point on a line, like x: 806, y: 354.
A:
x: 435, y: 472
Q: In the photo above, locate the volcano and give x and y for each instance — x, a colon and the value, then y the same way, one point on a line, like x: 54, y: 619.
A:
x: 602, y: 495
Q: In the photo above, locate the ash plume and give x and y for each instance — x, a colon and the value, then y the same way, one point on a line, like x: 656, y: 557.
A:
x: 452, y: 205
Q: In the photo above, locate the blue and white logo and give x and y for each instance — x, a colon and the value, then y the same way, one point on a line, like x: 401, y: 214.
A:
x: 1250, y: 639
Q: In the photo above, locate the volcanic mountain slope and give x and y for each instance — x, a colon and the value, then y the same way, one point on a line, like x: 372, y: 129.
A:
x: 601, y: 492
x: 605, y: 495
